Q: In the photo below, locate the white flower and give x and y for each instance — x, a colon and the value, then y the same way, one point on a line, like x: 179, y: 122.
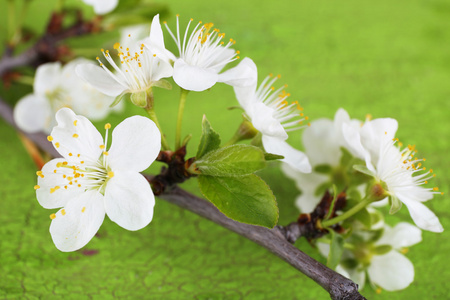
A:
x: 102, y: 7
x: 202, y: 56
x: 140, y: 69
x: 90, y: 181
x: 322, y: 141
x: 56, y: 87
x: 272, y: 116
x: 397, y: 168
x: 389, y: 270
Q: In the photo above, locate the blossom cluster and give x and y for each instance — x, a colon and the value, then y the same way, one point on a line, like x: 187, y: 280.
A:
x: 362, y: 159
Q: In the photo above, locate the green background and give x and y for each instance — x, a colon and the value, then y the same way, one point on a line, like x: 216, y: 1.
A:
x: 386, y: 58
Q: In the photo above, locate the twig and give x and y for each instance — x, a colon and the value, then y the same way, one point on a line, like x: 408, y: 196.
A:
x: 274, y: 239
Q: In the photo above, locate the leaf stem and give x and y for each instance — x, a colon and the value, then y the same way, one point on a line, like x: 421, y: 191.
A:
x: 149, y: 108
x: 183, y: 96
x: 348, y: 213
x: 11, y: 19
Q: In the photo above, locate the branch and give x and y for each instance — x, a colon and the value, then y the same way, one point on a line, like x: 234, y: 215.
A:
x: 275, y: 240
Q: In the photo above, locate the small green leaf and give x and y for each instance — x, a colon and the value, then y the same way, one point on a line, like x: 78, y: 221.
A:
x: 323, y: 169
x: 320, y: 190
x: 346, y: 157
x: 210, y: 140
x: 271, y: 156
x: 363, y: 169
x: 395, y: 203
x: 382, y: 249
x: 247, y: 199
x: 336, y: 250
x: 235, y: 160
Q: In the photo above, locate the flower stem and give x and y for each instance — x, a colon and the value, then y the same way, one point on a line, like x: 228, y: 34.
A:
x: 11, y: 19
x: 151, y: 113
x: 183, y: 96
x: 348, y: 213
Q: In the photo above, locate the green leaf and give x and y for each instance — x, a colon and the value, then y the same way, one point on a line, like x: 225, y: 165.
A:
x: 210, y: 140
x: 323, y: 169
x: 336, y: 250
x: 235, y: 160
x: 271, y: 156
x: 363, y: 169
x: 247, y: 199
x: 346, y: 157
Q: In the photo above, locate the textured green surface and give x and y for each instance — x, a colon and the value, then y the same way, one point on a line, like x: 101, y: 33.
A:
x: 387, y: 58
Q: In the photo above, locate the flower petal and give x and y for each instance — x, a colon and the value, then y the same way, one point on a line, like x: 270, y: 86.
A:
x: 373, y: 132
x: 160, y: 69
x: 353, y: 138
x: 129, y: 200
x: 295, y: 158
x: 76, y: 224
x: 136, y: 143
x: 321, y: 144
x: 76, y: 135
x: 47, y: 78
x: 100, y: 79
x: 245, y: 74
x: 193, y: 78
x: 33, y: 113
x: 356, y: 275
x: 102, y: 7
x: 46, y: 194
x: 263, y: 120
x: 402, y: 235
x: 421, y: 215
x: 391, y: 271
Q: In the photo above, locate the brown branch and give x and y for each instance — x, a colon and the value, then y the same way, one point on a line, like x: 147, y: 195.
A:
x: 275, y: 240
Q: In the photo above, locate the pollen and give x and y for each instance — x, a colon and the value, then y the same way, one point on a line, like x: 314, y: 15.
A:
x: 39, y: 173
x: 63, y: 212
x: 52, y: 216
x: 105, y: 152
x: 52, y: 190
x: 75, y: 123
x: 57, y: 145
x: 435, y: 189
x: 107, y: 126
x: 116, y: 46
x: 110, y: 174
x: 50, y: 138
x: 83, y: 209
x: 36, y: 187
x: 75, y: 135
x: 70, y: 154
x: 102, y: 146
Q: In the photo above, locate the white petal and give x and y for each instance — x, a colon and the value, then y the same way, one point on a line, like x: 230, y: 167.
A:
x: 136, y: 143
x: 129, y: 200
x: 263, y: 121
x: 391, y: 271
x: 193, y: 78
x: 324, y: 248
x: 100, y: 79
x: 161, y: 69
x: 306, y: 203
x: 156, y: 37
x: 421, y: 215
x: 47, y: 78
x: 402, y: 235
x: 245, y: 74
x: 81, y: 221
x: 82, y: 138
x: 321, y: 144
x: 356, y: 275
x: 353, y: 138
x: 61, y: 196
x: 33, y: 113
x: 373, y: 132
x: 102, y: 7
x: 295, y: 158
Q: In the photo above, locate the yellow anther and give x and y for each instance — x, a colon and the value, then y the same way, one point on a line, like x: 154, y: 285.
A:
x: 54, y: 171
x: 110, y: 174
x: 69, y: 178
x: 52, y: 190
x: 426, y: 181
x: 404, y: 250
x: 368, y: 117
x: 385, y: 132
x: 57, y: 145
x: 52, y: 216
x: 64, y: 176
x: 435, y: 189
x: 78, y: 155
x: 192, y: 19
x: 237, y: 57
x: 37, y: 187
x: 79, y: 185
x: 306, y: 118
x: 102, y: 50
x: 107, y: 126
x: 177, y: 15
x: 63, y: 211
x: 102, y: 146
x: 39, y: 173
x: 107, y: 51
x: 82, y: 162
x: 431, y: 170
x: 64, y: 163
x: 442, y: 193
x: 279, y: 76
x: 65, y: 187
x: 238, y: 52
x: 77, y: 175
x: 116, y: 46
x: 154, y: 55
x: 309, y: 124
x: 97, y: 58
x: 75, y: 123
x: 82, y: 175
x: 75, y: 135
x: 50, y: 138
x: 105, y: 152
x: 70, y: 154
x: 272, y: 88
x: 378, y: 291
